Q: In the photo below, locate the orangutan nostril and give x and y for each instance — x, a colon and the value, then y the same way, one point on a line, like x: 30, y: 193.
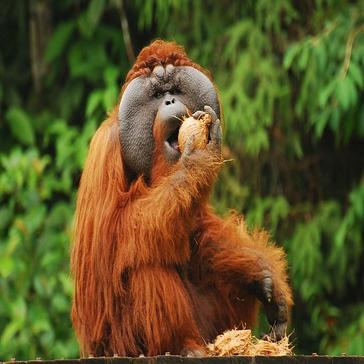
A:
x: 170, y: 101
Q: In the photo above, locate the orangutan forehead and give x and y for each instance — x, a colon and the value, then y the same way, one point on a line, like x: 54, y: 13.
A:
x: 145, y: 64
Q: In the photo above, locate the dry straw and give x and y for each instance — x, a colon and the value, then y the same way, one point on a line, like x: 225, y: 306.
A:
x: 242, y: 342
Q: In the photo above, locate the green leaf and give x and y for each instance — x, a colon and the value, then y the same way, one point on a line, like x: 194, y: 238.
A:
x: 39, y: 318
x: 93, y: 101
x: 335, y: 120
x: 326, y: 92
x: 20, y: 125
x: 19, y: 310
x: 89, y: 20
x: 60, y: 303
x: 360, y: 125
x: 6, y: 214
x: 320, y: 123
x: 290, y: 55
x: 58, y: 41
x: 58, y: 215
x: 95, y: 11
x: 109, y: 97
x: 6, y: 266
x: 67, y: 283
x: 345, y: 92
x: 111, y: 75
x: 304, y: 57
x: 356, y: 74
x: 9, y: 332
x: 320, y: 53
x: 35, y: 218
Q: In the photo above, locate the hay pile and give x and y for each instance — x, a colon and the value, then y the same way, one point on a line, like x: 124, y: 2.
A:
x: 242, y: 342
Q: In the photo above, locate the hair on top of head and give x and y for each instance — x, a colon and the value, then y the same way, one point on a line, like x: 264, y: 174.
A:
x: 160, y: 52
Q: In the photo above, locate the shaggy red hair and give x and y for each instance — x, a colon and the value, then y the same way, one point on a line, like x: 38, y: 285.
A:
x: 155, y: 269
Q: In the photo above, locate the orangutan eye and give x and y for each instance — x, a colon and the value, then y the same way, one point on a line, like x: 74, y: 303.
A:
x: 158, y: 94
x: 175, y: 91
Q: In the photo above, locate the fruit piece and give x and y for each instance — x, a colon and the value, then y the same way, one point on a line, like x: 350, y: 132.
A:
x: 197, y: 127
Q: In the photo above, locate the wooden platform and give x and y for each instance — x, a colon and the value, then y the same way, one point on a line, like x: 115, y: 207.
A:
x: 171, y: 359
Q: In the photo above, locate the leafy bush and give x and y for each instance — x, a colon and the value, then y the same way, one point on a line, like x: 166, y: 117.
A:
x: 292, y: 85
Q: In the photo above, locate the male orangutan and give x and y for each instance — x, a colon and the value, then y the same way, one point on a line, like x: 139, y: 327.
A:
x: 155, y: 269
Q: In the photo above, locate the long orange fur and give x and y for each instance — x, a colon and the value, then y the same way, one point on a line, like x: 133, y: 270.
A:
x: 155, y: 269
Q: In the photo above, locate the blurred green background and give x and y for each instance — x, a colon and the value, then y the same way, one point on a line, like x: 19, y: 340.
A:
x: 291, y: 76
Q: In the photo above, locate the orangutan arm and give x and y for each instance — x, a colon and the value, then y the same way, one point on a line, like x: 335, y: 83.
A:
x: 162, y: 214
x: 249, y: 260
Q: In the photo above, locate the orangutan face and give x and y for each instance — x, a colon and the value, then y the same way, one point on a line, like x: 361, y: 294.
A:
x: 169, y: 92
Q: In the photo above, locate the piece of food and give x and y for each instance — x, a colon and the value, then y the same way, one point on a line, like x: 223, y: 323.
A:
x: 197, y: 127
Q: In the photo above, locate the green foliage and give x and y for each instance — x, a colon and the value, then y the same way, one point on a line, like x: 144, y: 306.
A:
x: 291, y: 83
x: 330, y: 64
x: 20, y: 125
x: 38, y: 179
x: 34, y: 278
